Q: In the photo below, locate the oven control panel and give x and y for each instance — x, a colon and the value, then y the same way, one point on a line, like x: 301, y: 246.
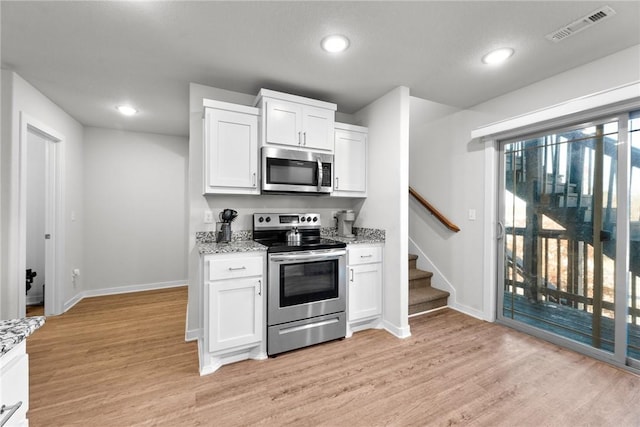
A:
x: 285, y: 220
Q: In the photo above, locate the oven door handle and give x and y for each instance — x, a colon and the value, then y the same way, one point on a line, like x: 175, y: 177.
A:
x: 308, y: 256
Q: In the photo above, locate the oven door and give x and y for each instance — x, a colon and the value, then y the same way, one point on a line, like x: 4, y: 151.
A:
x: 306, y: 284
x: 287, y: 171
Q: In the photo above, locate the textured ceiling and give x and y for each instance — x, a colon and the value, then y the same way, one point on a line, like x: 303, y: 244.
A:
x: 88, y: 56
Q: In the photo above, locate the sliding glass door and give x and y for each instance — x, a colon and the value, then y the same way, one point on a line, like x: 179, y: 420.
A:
x: 562, y: 201
x: 633, y: 318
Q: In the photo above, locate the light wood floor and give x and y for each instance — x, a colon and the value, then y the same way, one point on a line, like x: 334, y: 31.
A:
x: 122, y: 360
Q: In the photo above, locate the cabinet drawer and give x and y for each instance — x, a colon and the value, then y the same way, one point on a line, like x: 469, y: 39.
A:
x: 228, y: 268
x: 365, y: 255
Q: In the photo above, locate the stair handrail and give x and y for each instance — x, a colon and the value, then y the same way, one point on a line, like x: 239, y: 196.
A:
x: 443, y: 219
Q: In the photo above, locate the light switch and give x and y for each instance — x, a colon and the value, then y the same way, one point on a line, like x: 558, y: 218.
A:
x: 208, y: 217
x: 472, y: 214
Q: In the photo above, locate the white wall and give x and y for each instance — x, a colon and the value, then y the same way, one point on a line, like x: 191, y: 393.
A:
x: 449, y: 169
x: 36, y: 180
x: 18, y: 96
x: 386, y: 206
x: 135, y: 210
x: 245, y: 205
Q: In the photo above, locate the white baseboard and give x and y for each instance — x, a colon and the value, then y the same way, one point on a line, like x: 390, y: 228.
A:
x: 470, y: 311
x: 400, y: 332
x: 192, y: 334
x: 35, y: 299
x: 122, y: 290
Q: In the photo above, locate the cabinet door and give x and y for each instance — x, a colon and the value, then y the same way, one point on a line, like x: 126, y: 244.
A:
x: 350, y: 163
x: 14, y: 388
x: 231, y: 152
x: 235, y: 313
x: 283, y: 123
x: 317, y: 128
x: 365, y: 288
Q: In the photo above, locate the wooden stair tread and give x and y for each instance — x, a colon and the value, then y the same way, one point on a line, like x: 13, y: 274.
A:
x: 416, y: 274
x: 428, y: 294
x: 422, y: 297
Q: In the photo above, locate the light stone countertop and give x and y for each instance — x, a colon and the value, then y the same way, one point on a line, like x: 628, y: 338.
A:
x: 358, y: 240
x: 14, y: 331
x: 362, y: 236
x: 231, y: 247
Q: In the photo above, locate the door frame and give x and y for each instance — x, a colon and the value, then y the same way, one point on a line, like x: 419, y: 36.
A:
x: 54, y: 215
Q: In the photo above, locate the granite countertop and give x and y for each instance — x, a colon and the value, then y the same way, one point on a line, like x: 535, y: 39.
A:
x: 14, y: 331
x: 241, y: 240
x: 358, y: 240
x: 362, y: 235
x: 207, y: 248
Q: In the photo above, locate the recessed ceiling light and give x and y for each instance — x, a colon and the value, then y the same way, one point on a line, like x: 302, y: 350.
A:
x: 498, y: 56
x: 127, y: 110
x: 335, y: 43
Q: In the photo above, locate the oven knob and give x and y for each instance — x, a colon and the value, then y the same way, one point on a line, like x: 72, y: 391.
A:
x: 315, y: 218
x: 309, y: 218
x: 302, y: 219
x: 261, y: 219
x: 268, y: 219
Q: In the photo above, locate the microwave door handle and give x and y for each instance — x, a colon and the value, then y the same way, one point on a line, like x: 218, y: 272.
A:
x: 319, y: 174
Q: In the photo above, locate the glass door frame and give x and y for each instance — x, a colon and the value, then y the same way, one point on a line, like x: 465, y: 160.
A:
x: 619, y: 355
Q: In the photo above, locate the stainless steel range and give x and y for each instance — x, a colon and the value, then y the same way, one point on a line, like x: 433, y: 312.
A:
x: 306, y: 298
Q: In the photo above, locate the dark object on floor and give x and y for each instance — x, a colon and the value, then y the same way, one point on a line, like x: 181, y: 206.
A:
x: 30, y: 275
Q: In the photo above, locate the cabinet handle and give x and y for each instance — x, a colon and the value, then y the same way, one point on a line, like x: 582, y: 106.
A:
x: 351, y: 280
x: 237, y: 268
x: 299, y: 138
x: 366, y: 256
x: 10, y: 411
x: 254, y: 179
x: 259, y: 287
x: 304, y: 135
x: 337, y: 182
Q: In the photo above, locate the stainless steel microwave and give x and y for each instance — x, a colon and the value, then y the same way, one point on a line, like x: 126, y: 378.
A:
x: 293, y: 171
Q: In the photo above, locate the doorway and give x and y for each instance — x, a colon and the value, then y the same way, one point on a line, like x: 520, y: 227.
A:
x: 38, y: 149
x: 568, y: 269
x: 39, y: 217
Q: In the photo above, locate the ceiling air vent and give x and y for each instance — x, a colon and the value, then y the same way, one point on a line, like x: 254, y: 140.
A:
x: 581, y: 24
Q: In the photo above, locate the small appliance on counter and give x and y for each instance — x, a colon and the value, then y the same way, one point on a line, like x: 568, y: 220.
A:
x: 345, y: 223
x: 226, y: 216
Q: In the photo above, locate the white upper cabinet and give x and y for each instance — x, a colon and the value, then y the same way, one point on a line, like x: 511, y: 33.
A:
x: 350, y: 161
x: 230, y: 149
x: 295, y: 121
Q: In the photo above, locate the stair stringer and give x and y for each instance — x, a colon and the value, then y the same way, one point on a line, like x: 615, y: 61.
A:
x: 441, y: 282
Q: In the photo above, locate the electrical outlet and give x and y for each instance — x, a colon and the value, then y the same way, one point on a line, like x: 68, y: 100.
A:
x: 208, y: 217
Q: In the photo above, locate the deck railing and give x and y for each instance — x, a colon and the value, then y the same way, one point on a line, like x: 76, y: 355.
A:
x: 564, y: 276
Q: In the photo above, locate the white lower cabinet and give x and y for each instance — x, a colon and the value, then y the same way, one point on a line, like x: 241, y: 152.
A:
x: 365, y: 286
x: 234, y: 307
x: 14, y: 386
x: 235, y: 313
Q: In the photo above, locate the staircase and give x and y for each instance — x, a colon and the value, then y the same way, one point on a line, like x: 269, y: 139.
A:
x: 422, y: 297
